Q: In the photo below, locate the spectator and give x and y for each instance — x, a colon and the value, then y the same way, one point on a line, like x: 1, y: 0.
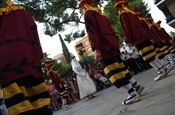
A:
x: 72, y: 89
x: 101, y: 78
x: 53, y: 95
x: 85, y: 84
x: 136, y: 57
x: 58, y: 83
x: 76, y: 91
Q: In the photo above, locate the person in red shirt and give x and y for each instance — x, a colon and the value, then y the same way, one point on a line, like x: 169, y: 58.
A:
x: 136, y: 35
x: 21, y: 77
x: 105, y: 45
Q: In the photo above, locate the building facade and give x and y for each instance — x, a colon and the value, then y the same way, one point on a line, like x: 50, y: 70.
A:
x: 83, y: 46
x: 168, y: 8
x: 60, y: 59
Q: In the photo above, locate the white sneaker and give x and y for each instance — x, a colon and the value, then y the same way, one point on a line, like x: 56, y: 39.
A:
x: 66, y: 107
x: 139, y: 89
x: 131, y: 99
x: 160, y: 75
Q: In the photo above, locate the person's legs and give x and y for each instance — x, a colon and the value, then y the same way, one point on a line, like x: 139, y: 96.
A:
x: 170, y: 55
x: 148, y: 53
x: 56, y: 102
x: 168, y: 64
x: 165, y: 49
x: 119, y: 76
x: 171, y: 58
x: 53, y: 102
x: 133, y: 95
x: 159, y: 67
x: 64, y: 96
x: 138, y: 87
x: 72, y: 96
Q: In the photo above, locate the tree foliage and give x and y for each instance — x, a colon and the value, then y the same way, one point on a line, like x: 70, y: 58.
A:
x: 59, y: 15
x: 56, y: 15
x: 65, y: 50
x: 87, y: 58
x: 58, y: 67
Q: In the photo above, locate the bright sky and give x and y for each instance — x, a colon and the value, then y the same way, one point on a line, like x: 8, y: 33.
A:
x: 52, y: 45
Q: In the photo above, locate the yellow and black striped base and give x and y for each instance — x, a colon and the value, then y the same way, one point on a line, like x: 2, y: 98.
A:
x: 26, y: 96
x: 147, y: 51
x: 116, y: 71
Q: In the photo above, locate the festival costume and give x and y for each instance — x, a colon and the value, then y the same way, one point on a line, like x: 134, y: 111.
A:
x: 166, y: 38
x: 137, y: 36
x: 86, y: 85
x: 156, y: 36
x: 162, y: 48
x: 101, y: 34
x: 162, y: 44
x: 151, y: 35
x: 170, y: 48
x: 21, y: 78
x: 104, y: 43
x: 159, y: 40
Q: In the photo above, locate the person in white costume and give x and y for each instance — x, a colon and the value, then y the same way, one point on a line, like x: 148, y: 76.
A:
x: 85, y: 84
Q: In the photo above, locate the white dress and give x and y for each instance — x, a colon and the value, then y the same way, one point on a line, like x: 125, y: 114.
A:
x: 85, y: 84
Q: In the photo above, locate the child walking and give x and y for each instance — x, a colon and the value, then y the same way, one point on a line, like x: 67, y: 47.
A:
x: 53, y: 95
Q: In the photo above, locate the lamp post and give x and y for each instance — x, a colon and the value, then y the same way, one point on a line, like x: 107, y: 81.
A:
x: 80, y: 49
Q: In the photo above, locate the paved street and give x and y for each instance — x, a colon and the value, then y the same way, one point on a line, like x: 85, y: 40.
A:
x: 158, y: 98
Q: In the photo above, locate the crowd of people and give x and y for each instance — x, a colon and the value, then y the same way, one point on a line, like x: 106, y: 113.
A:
x: 24, y: 90
x: 81, y: 84
x: 134, y: 61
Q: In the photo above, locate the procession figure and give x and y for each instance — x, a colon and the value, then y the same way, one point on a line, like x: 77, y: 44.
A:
x: 85, y: 83
x: 136, y: 35
x: 106, y: 47
x: 21, y: 78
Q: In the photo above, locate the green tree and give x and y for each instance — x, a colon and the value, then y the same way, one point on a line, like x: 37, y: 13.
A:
x: 59, y: 68
x: 87, y: 58
x: 56, y: 15
x: 65, y: 50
